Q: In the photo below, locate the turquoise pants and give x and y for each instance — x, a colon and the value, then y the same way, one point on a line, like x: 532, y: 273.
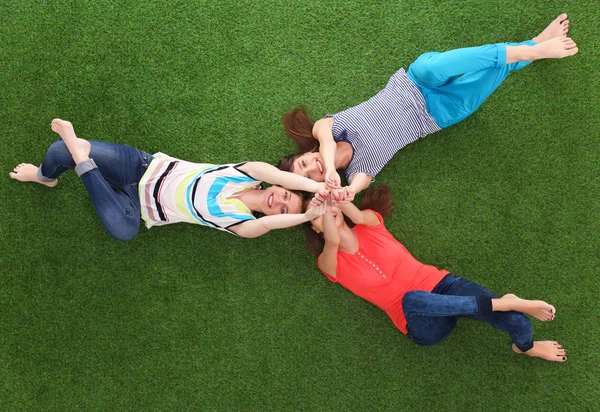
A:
x: 455, y: 83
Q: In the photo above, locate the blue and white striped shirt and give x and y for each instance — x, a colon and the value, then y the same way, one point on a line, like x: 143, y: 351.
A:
x: 378, y: 128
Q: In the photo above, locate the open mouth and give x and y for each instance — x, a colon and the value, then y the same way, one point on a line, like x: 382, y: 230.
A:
x: 270, y: 200
x: 320, y: 166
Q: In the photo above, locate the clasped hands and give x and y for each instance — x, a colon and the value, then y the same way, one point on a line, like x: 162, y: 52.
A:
x: 334, y: 191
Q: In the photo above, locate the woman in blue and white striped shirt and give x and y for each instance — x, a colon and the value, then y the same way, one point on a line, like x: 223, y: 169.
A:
x: 439, y: 90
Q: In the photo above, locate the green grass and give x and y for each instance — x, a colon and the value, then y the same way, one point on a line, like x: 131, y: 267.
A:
x: 186, y: 318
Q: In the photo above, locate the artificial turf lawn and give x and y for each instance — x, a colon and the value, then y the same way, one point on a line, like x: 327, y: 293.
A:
x: 184, y: 317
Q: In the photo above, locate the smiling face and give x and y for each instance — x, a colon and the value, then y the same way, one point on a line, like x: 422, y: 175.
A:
x: 310, y: 165
x: 276, y: 200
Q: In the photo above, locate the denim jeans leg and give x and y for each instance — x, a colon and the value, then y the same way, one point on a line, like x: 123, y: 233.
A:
x: 120, y: 165
x: 431, y: 317
x: 516, y: 324
x: 118, y: 210
x: 58, y: 160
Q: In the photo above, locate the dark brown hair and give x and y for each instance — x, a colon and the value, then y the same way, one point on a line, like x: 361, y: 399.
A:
x: 287, y: 163
x: 377, y: 198
x: 298, y: 127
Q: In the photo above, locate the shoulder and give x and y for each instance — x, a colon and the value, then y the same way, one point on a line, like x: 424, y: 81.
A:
x: 326, y: 123
x: 375, y: 221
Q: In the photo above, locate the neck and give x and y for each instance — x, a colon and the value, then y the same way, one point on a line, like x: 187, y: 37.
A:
x: 348, y: 240
x: 343, y: 154
x: 251, y: 198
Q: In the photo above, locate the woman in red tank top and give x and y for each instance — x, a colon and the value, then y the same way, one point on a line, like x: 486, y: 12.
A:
x: 423, y: 302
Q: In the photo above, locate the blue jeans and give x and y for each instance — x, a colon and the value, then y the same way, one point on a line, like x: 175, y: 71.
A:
x: 431, y: 316
x: 111, y: 184
x: 455, y: 83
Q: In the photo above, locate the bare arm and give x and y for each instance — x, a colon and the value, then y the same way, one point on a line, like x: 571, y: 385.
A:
x: 272, y: 175
x: 258, y: 227
x: 328, y: 258
x: 360, y: 182
x: 359, y: 217
x: 322, y: 131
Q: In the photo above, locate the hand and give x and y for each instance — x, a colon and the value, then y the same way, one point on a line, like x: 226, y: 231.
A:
x: 316, y: 211
x: 332, y: 179
x: 343, y: 195
x: 319, y: 198
x: 350, y: 193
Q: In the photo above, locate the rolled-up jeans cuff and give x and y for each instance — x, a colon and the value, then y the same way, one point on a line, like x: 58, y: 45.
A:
x: 85, y: 166
x: 43, y: 178
x: 525, y: 347
x: 484, y: 304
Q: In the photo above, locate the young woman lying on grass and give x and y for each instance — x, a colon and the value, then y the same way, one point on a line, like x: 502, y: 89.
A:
x: 439, y: 90
x: 124, y: 182
x: 423, y: 302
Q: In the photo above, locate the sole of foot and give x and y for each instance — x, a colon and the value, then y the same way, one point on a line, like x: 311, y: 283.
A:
x: 26, y: 172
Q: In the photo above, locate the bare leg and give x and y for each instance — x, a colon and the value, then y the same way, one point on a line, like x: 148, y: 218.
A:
x: 547, y: 349
x: 536, y: 308
x: 553, y: 43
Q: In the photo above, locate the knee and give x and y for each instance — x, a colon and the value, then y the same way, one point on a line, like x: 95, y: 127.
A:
x: 423, y: 69
x: 58, y: 148
x: 413, y: 300
x: 122, y: 234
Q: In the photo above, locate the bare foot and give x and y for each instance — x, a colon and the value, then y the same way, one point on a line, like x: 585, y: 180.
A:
x: 79, y: 148
x: 555, y: 48
x: 546, y: 349
x: 557, y: 27
x: 536, y: 308
x: 26, y: 172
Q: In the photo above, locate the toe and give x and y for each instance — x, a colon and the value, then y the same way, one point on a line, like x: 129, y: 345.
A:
x: 562, y: 17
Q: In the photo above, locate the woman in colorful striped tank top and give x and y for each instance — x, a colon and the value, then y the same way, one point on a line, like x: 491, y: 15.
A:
x: 125, y: 184
x: 439, y: 90
x: 422, y: 301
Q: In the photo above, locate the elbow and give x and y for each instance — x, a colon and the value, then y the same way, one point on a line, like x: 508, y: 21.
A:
x: 315, y: 128
x: 318, y: 128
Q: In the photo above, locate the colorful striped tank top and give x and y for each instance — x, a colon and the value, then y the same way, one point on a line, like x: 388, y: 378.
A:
x: 174, y: 190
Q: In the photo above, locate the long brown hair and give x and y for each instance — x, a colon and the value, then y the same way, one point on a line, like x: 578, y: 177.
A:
x: 377, y: 198
x: 287, y: 163
x: 298, y: 126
